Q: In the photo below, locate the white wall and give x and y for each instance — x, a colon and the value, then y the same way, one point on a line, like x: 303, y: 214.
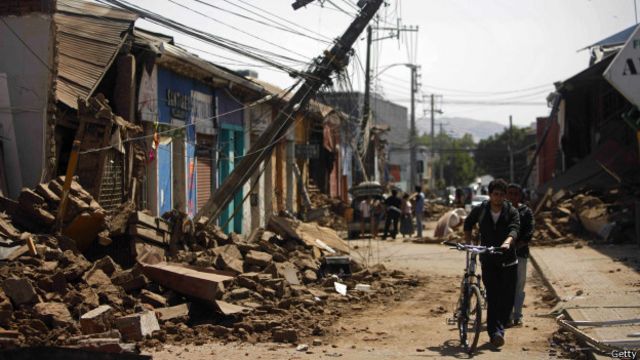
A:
x: 29, y: 81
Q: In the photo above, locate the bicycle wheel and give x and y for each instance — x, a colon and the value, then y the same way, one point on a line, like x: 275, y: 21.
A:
x: 474, y: 323
x: 470, y: 318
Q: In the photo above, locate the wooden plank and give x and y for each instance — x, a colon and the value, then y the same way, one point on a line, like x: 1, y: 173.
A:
x: 552, y: 229
x: 150, y: 221
x: 149, y: 234
x: 173, y: 312
x: 18, y: 252
x: 6, y: 227
x: 200, y: 283
x: 230, y: 309
x: 604, y: 323
x: 308, y: 233
x: 542, y: 201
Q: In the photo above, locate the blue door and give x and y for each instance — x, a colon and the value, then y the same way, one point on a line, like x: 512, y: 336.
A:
x: 164, y: 178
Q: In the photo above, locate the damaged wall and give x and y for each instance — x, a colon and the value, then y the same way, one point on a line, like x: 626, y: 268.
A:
x: 29, y: 82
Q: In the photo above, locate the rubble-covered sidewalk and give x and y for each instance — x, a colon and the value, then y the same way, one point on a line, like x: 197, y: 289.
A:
x: 167, y: 280
x: 597, y: 283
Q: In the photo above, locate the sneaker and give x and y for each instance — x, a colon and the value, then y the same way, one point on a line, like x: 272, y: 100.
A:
x: 497, y: 340
x: 517, y: 323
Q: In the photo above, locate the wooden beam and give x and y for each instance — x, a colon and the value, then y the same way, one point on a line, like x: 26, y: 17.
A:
x: 200, y: 283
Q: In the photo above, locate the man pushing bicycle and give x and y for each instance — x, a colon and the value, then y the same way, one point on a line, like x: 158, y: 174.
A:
x: 498, y: 223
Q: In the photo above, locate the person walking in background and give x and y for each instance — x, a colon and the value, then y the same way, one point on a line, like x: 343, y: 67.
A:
x: 419, y: 198
x: 365, y: 215
x: 377, y: 213
x: 499, y: 225
x: 515, y: 196
x: 393, y: 206
x: 406, y: 226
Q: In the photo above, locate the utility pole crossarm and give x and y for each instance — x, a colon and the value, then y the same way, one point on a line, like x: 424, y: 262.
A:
x: 260, y: 150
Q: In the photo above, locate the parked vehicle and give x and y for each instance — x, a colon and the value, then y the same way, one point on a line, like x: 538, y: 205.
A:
x: 478, y: 199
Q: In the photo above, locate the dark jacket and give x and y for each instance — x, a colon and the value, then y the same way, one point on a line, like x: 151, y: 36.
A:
x: 495, y: 234
x: 526, y: 230
x: 395, y: 202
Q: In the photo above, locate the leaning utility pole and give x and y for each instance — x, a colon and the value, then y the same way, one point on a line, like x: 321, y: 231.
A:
x: 366, y: 102
x: 318, y: 75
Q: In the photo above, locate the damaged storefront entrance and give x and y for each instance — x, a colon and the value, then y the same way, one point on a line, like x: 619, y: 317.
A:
x: 232, y: 149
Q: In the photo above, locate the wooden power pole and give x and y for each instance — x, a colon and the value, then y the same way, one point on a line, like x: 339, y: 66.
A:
x: 333, y: 60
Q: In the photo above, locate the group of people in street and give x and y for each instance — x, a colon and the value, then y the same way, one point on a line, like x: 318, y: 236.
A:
x: 397, y: 212
x: 504, y: 221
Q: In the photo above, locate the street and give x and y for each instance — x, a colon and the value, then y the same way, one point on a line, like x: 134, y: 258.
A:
x: 412, y: 326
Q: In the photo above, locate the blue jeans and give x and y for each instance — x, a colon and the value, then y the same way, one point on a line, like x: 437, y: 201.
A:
x: 419, y: 216
x: 519, y: 298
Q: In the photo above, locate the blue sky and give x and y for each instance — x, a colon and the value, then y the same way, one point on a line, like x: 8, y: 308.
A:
x: 475, y: 53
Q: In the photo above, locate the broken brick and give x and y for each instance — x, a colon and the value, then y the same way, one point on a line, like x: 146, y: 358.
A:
x: 53, y: 313
x: 20, y: 291
x: 137, y: 326
x: 258, y: 258
x: 97, y: 320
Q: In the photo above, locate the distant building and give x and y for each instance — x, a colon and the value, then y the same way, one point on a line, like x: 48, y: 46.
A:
x: 385, y: 114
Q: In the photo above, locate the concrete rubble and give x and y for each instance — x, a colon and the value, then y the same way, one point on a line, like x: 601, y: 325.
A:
x: 144, y: 281
x: 564, y: 217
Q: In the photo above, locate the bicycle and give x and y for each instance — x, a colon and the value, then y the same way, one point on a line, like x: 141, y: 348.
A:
x: 468, y: 313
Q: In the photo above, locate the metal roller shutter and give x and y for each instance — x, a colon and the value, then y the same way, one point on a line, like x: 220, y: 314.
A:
x: 204, y: 169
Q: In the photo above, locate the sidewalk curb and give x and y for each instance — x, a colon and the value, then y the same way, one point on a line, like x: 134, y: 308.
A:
x: 546, y: 281
x: 591, y: 354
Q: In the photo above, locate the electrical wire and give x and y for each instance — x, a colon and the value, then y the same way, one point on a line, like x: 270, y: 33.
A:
x: 242, y: 49
x: 235, y: 27
x: 270, y: 24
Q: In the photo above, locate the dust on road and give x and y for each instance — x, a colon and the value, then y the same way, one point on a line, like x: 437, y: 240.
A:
x: 414, y: 324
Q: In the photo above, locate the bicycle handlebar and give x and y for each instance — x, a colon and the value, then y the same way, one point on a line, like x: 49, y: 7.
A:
x: 478, y: 249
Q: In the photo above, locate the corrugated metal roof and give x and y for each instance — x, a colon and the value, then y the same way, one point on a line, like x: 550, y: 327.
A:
x: 188, y: 63
x: 616, y: 39
x: 86, y: 8
x: 89, y: 37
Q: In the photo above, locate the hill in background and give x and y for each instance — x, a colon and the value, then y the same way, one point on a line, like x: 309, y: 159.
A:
x: 458, y: 126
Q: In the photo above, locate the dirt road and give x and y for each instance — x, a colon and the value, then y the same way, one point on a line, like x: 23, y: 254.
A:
x: 413, y: 325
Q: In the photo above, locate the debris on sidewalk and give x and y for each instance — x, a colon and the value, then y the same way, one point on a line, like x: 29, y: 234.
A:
x: 597, y: 215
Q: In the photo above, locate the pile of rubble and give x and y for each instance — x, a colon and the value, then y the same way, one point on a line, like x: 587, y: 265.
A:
x: 600, y: 216
x: 433, y: 211
x: 332, y: 211
x: 191, y: 282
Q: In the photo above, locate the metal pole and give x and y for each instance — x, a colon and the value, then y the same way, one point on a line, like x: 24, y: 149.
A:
x: 433, y: 144
x: 261, y: 149
x: 441, y: 157
x: 511, y: 177
x: 366, y: 107
x: 412, y: 140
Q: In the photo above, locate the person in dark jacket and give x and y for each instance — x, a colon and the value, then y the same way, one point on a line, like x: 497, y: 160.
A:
x: 515, y: 195
x: 499, y: 224
x: 393, y: 204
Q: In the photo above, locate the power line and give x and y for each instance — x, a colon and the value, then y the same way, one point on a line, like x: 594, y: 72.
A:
x: 275, y: 16
x: 236, y: 28
x: 277, y: 25
x: 242, y: 49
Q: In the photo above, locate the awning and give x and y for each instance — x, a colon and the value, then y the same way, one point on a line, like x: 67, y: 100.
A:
x: 89, y: 37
